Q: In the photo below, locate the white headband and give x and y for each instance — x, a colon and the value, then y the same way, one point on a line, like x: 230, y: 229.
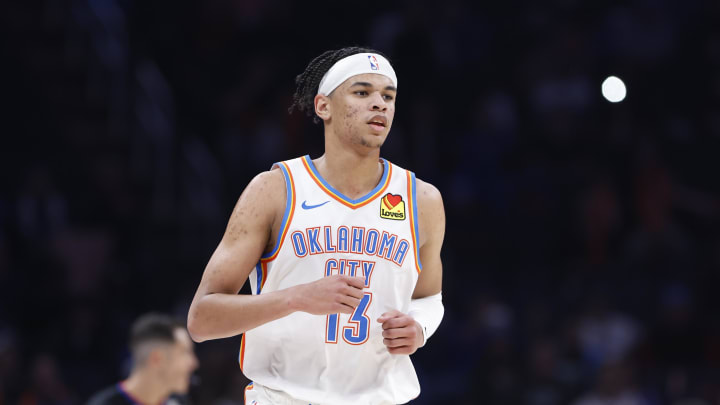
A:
x: 352, y: 65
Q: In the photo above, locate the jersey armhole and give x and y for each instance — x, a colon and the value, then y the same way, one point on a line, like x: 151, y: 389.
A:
x: 287, y: 215
x: 258, y: 275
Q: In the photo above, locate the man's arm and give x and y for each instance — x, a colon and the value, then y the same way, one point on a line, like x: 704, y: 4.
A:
x: 402, y: 334
x: 217, y: 311
x: 431, y: 227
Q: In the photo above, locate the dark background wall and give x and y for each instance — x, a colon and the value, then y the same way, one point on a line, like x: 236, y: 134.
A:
x: 582, y: 248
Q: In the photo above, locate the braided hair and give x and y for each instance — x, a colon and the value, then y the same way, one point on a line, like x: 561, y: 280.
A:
x: 307, y: 82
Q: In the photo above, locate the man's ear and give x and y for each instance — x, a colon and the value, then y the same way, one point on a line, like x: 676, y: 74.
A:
x: 322, y: 107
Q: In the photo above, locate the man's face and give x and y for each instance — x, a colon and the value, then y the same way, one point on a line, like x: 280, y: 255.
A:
x: 362, y: 109
x: 179, y: 363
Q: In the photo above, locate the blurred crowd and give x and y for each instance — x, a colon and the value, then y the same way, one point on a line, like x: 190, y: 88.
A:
x: 582, y: 254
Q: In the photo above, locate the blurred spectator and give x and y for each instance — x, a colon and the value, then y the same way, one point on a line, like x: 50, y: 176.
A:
x: 163, y: 361
x: 606, y: 336
x: 614, y: 386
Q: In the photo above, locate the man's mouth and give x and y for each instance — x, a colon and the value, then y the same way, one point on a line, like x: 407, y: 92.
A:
x: 378, y: 123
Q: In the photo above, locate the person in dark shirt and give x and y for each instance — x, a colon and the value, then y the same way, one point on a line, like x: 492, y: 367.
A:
x: 163, y: 360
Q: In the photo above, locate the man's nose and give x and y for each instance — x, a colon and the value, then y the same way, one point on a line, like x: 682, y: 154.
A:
x: 378, y: 102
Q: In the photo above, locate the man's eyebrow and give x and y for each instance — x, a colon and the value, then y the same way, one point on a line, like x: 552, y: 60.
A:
x: 366, y: 84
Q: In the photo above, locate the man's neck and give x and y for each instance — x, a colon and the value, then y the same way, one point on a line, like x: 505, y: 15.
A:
x: 351, y: 173
x: 145, y: 388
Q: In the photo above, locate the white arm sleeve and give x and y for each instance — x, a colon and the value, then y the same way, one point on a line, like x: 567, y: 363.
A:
x: 428, y: 312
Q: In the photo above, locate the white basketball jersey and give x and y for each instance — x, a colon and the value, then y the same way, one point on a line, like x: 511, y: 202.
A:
x: 338, y: 358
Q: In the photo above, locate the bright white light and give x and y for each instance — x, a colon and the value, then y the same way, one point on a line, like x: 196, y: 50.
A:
x: 613, y: 89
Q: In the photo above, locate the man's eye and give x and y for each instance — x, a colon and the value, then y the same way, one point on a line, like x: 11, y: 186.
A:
x: 361, y: 93
x: 388, y: 97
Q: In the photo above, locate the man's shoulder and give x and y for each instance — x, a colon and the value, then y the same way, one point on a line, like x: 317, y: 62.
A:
x: 427, y: 193
x: 423, y: 188
x: 275, y: 176
x: 263, y: 199
x: 273, y: 184
x: 110, y: 396
x: 271, y: 181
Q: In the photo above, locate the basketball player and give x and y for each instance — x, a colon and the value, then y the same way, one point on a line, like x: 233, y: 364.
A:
x: 163, y: 360
x: 342, y: 253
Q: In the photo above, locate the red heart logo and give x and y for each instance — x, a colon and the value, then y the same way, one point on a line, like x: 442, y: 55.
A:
x: 392, y: 199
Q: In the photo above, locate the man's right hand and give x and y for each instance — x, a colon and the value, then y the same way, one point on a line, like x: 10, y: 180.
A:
x: 329, y: 295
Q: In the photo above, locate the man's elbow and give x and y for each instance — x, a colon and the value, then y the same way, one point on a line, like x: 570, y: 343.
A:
x: 195, y: 327
x: 196, y: 336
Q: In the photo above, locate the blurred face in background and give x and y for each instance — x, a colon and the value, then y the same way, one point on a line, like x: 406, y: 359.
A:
x: 176, y: 363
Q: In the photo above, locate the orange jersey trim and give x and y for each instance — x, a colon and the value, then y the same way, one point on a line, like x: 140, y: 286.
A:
x: 242, y: 352
x: 263, y: 267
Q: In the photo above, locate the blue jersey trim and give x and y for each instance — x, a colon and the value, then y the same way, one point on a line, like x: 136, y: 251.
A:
x: 288, y: 207
x: 416, y: 220
x: 258, y: 272
x: 360, y: 200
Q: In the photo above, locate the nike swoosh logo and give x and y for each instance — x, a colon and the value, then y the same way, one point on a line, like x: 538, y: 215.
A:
x: 309, y: 207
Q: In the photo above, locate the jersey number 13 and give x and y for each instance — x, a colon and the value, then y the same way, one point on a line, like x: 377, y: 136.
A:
x: 357, y: 330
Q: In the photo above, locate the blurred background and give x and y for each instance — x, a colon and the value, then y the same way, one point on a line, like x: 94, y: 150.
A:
x: 582, y: 253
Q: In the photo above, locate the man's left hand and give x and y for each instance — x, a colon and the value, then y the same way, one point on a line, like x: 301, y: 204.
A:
x: 401, y: 333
